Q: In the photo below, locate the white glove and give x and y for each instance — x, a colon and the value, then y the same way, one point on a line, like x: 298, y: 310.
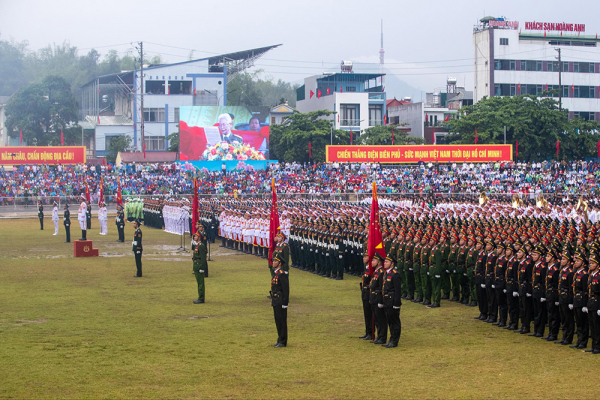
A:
x: 437, y: 276
x: 584, y: 309
x: 380, y: 305
x: 341, y: 257
x: 396, y: 308
x: 447, y: 271
x: 427, y: 272
x: 570, y: 306
x: 598, y: 312
x: 515, y: 294
x: 201, y: 271
x: 138, y: 252
x: 493, y: 286
x: 483, y: 286
x: 503, y: 290
x: 556, y: 303
x: 302, y: 248
x: 528, y: 294
x: 465, y: 274
x: 284, y: 306
x: 542, y: 300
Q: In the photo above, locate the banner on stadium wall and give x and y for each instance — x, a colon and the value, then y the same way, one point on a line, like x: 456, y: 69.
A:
x: 18, y: 155
x: 416, y: 153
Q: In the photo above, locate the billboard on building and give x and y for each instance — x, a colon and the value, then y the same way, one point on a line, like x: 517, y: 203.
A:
x: 214, y: 133
x: 18, y: 155
x: 414, y: 154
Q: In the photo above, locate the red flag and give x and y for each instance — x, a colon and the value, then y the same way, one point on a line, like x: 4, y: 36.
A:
x: 433, y: 134
x: 21, y: 137
x: 319, y: 93
x: 194, y: 92
x: 557, y: 148
x: 385, y: 119
x: 598, y: 147
x: 392, y: 136
x: 311, y: 94
x: 426, y: 118
x: 350, y: 135
x: 98, y: 119
x: 87, y: 192
x: 195, y: 206
x: 144, y: 148
x: 62, y: 138
x: 274, y: 224
x: 341, y: 90
x: 383, y: 89
x: 375, y: 243
x: 309, y: 150
x: 517, y: 149
x: 476, y: 137
x: 328, y: 91
x: 101, y: 197
x: 119, y: 195
x: 447, y: 118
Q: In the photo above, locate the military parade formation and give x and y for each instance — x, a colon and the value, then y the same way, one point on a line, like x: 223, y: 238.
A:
x: 518, y: 263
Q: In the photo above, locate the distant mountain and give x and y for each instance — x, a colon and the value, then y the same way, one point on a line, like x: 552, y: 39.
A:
x: 399, y: 89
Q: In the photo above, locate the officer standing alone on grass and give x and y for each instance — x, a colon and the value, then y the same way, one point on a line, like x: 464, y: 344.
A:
x: 67, y: 223
x: 199, y: 259
x: 55, y: 218
x: 280, y: 295
x: 41, y: 214
x: 137, y: 248
x: 120, y: 222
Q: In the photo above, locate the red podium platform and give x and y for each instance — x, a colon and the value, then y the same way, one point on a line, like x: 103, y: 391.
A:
x: 83, y: 248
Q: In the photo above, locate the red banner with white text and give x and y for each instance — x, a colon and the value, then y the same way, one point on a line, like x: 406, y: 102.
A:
x: 18, y: 155
x: 416, y: 153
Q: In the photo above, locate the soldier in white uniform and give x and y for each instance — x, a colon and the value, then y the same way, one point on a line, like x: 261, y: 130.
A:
x: 55, y: 218
x: 81, y: 215
x: 103, y: 218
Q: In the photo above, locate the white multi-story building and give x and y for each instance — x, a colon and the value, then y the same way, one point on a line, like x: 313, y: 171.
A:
x: 111, y: 105
x: 357, y: 98
x: 513, y: 58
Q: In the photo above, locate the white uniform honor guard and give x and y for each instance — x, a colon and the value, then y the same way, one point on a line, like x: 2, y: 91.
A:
x: 55, y: 218
x: 81, y: 217
x: 103, y: 218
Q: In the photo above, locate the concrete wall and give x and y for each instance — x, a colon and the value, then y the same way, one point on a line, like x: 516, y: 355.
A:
x: 411, y: 114
x: 481, y: 50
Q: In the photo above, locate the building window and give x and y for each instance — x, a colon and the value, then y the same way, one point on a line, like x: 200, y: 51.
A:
x: 513, y: 65
x: 273, y: 120
x: 592, y: 92
x: 375, y: 116
x: 154, y: 114
x: 350, y: 89
x: 513, y: 90
x: 565, y: 91
x: 575, y: 67
x: 180, y: 87
x: 176, y: 114
x: 155, y: 87
x: 350, y: 115
x: 503, y: 41
x: 565, y: 67
x: 576, y: 92
x: 539, y: 66
x: 154, y: 143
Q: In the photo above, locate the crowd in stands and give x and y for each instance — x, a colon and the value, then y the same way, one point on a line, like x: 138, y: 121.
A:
x: 29, y: 182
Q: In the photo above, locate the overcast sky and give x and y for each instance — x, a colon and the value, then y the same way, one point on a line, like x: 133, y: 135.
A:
x: 424, y: 41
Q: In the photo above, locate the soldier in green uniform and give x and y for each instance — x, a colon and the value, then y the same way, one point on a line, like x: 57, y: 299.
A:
x: 120, y: 222
x: 461, y: 269
x: 67, y: 223
x: 407, y: 255
x: 416, y: 263
x: 41, y: 214
x: 425, y: 278
x: 339, y: 252
x: 445, y: 272
x: 472, y: 256
x: 436, y: 257
x: 137, y: 248
x: 88, y: 215
x: 455, y: 275
x: 199, y: 253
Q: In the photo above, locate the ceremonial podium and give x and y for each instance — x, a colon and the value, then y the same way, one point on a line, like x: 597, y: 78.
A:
x: 83, y: 248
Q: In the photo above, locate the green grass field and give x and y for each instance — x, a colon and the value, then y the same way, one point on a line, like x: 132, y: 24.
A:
x: 85, y: 328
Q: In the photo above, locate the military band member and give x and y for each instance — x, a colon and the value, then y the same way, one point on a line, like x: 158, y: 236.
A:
x: 199, y: 253
x: 137, y: 248
x: 41, y: 214
x: 55, y: 218
x: 280, y: 295
x: 391, y: 291
x: 67, y: 223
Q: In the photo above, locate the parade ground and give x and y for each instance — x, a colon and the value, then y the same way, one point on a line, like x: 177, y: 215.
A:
x: 85, y: 328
